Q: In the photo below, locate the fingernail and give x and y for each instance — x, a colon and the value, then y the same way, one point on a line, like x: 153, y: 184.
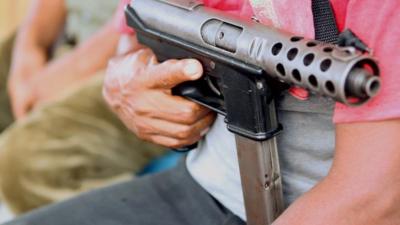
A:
x: 191, y: 68
x: 204, y: 132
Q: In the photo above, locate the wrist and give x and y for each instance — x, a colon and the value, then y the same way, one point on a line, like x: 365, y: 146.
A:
x: 27, y: 61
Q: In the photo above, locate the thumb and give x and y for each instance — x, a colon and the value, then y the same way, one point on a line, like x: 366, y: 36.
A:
x: 173, y: 72
x: 22, y: 100
x: 21, y: 107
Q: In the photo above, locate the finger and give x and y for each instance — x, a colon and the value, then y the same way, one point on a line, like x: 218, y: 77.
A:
x: 20, y: 111
x: 188, y: 133
x: 124, y: 63
x: 127, y: 44
x: 145, y: 56
x: 170, y: 142
x: 121, y: 70
x: 20, y: 106
x: 173, y: 72
x: 159, y: 105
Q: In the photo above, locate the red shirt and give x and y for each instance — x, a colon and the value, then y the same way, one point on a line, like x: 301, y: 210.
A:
x: 375, y: 22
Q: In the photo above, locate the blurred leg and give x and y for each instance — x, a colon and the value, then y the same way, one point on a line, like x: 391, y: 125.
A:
x: 64, y: 148
x: 6, y: 117
x: 169, y: 198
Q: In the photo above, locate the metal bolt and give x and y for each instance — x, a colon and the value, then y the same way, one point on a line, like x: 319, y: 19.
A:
x: 221, y: 35
x: 212, y: 65
x: 260, y: 85
x: 267, y: 181
x: 255, y: 19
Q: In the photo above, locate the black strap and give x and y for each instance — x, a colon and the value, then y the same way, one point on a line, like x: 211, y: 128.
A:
x: 326, y: 29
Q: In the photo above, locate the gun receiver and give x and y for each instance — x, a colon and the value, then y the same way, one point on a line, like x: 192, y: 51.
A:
x: 228, y: 46
x: 245, y: 65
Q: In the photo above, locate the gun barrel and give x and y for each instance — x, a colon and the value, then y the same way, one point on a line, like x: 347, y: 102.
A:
x: 361, y: 83
x: 344, y: 74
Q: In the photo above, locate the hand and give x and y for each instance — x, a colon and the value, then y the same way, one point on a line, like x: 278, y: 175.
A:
x: 22, y: 98
x: 138, y: 89
x: 20, y: 86
x: 28, y: 92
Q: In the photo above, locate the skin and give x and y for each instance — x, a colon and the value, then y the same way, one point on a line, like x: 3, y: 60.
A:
x: 360, y: 189
x: 33, y: 78
x: 138, y: 89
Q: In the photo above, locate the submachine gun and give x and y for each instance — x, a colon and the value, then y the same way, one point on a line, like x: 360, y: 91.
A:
x: 245, y: 65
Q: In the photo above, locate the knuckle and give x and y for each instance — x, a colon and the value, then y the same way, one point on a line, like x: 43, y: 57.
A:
x: 140, y: 107
x: 169, y: 63
x: 176, y: 144
x: 149, y: 139
x: 143, y: 135
x: 191, y: 113
x: 140, y: 111
x: 139, y: 134
x: 142, y: 130
x: 108, y: 94
x: 210, y: 118
x: 185, y: 132
x: 136, y: 72
x: 195, y: 107
x: 189, y: 117
x: 142, y: 55
x: 144, y: 51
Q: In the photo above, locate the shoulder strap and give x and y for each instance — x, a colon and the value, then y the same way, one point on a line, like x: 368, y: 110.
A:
x: 325, y: 26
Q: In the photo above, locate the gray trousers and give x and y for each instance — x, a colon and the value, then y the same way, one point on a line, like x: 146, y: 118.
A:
x: 168, y: 198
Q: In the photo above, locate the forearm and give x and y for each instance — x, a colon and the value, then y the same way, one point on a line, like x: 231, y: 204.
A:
x: 362, y: 186
x: 36, y: 35
x: 29, y: 54
x: 334, y: 203
x: 83, y: 62
x: 27, y: 61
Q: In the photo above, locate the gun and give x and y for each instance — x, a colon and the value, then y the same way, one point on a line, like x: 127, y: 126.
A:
x: 246, y: 64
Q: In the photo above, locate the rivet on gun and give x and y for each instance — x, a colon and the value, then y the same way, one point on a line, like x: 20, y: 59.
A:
x: 267, y: 181
x: 255, y: 19
x: 212, y: 65
x: 260, y: 85
x: 221, y: 35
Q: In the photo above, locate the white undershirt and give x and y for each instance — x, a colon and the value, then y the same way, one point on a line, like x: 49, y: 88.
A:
x: 214, y: 166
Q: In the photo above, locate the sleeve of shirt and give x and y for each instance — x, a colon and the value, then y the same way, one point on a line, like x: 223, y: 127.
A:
x: 120, y: 20
x: 241, y: 8
x: 376, y: 23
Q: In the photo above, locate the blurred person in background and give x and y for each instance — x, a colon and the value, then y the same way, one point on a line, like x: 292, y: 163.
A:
x: 65, y: 140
